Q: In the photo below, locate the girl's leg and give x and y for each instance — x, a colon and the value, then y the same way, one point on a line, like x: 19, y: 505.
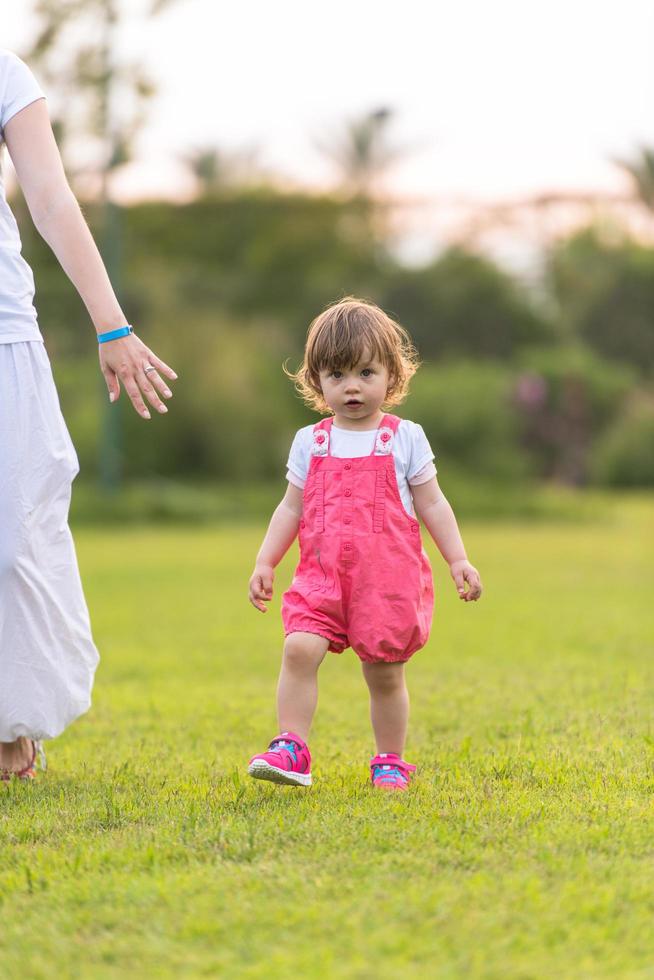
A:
x: 389, y: 705
x: 297, y: 690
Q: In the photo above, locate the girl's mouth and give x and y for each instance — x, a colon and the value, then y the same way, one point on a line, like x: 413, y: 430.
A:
x: 353, y: 403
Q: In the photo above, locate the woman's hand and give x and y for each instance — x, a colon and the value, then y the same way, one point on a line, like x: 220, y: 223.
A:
x: 261, y: 586
x: 57, y: 216
x: 462, y: 572
x: 129, y: 362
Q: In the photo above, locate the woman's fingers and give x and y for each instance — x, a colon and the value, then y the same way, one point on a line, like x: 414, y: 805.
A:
x: 135, y: 396
x: 112, y: 384
x: 144, y: 381
x: 129, y: 362
x: 155, y: 379
x: 162, y: 366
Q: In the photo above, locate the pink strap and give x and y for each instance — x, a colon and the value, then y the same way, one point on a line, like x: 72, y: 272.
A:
x: 289, y: 737
x: 388, y: 422
x: 321, y: 449
x: 321, y: 437
x: 390, y: 759
x: 379, y: 507
x: 392, y: 421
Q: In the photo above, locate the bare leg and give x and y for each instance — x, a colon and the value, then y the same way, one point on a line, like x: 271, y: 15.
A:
x: 297, y: 690
x: 389, y: 705
x: 15, y: 756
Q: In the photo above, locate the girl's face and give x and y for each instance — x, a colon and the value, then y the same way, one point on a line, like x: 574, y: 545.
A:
x: 355, y: 394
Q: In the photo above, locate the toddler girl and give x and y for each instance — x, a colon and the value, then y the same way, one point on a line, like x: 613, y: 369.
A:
x: 363, y: 579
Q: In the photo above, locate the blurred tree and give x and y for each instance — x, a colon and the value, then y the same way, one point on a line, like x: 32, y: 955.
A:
x: 641, y: 171
x: 466, y: 411
x: 605, y: 295
x: 217, y: 171
x: 362, y: 153
x: 97, y: 98
x: 463, y: 305
x: 227, y: 286
x: 564, y: 399
x: 251, y: 253
x: 624, y: 455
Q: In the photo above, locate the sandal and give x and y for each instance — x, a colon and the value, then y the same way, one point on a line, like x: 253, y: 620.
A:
x: 29, y: 771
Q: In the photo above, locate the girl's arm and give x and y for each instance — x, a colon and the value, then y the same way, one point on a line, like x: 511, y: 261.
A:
x: 58, y: 218
x: 433, y: 509
x: 280, y: 535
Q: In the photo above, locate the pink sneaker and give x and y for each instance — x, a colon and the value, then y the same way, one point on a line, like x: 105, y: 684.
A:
x: 388, y: 771
x: 287, y: 761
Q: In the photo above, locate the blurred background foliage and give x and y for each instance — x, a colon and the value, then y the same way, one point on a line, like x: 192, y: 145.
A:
x: 523, y: 382
x: 554, y: 383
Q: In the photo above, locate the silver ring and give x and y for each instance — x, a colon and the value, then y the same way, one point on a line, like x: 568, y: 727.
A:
x: 148, y: 369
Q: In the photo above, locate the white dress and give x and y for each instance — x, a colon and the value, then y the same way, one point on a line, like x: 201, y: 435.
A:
x: 47, y: 655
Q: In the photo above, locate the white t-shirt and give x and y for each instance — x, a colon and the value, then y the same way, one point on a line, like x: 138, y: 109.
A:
x: 412, y: 455
x: 18, y: 88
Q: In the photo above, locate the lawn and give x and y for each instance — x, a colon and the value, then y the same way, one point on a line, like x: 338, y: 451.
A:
x: 524, y: 849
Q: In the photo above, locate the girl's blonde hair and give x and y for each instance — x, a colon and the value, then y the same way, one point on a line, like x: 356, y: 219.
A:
x: 339, y: 338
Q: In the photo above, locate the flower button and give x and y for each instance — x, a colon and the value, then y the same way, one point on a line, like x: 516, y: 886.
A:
x: 320, y: 443
x: 384, y: 441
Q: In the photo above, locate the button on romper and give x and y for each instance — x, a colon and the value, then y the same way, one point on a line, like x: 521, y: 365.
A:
x: 363, y: 579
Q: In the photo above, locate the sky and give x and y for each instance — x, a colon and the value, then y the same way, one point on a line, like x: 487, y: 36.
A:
x: 491, y: 100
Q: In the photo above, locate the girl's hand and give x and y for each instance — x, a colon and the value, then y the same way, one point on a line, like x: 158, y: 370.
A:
x: 261, y: 586
x: 128, y: 361
x: 462, y: 572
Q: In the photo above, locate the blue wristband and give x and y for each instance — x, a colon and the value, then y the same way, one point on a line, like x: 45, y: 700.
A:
x: 103, y: 338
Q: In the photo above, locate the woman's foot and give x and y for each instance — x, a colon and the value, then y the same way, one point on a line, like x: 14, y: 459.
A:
x: 287, y: 761
x: 18, y: 759
x: 388, y: 771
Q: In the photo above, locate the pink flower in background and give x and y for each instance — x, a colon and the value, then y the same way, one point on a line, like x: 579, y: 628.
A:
x: 531, y: 391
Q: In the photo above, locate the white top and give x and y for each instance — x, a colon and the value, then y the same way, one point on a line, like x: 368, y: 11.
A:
x: 18, y: 88
x: 412, y: 455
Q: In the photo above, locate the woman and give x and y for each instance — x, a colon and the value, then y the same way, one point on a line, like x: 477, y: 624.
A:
x: 47, y: 655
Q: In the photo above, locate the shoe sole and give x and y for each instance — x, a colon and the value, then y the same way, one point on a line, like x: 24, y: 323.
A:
x: 259, y: 769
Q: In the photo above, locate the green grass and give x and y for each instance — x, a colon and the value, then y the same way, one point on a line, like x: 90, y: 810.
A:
x: 523, y: 850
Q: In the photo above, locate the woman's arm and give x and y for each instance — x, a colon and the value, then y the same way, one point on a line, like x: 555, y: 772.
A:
x: 59, y: 220
x: 280, y: 535
x: 433, y: 509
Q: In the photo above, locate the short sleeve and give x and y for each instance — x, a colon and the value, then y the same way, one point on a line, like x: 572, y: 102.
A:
x: 421, y: 454
x: 19, y: 87
x: 427, y: 473
x: 299, y: 458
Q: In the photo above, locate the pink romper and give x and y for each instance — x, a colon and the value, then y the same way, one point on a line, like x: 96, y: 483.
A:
x: 363, y: 579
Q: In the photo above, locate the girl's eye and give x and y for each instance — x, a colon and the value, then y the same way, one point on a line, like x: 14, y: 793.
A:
x: 367, y: 372
x: 336, y: 374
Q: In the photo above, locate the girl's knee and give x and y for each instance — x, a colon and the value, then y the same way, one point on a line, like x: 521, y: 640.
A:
x: 302, y: 650
x: 384, y: 676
